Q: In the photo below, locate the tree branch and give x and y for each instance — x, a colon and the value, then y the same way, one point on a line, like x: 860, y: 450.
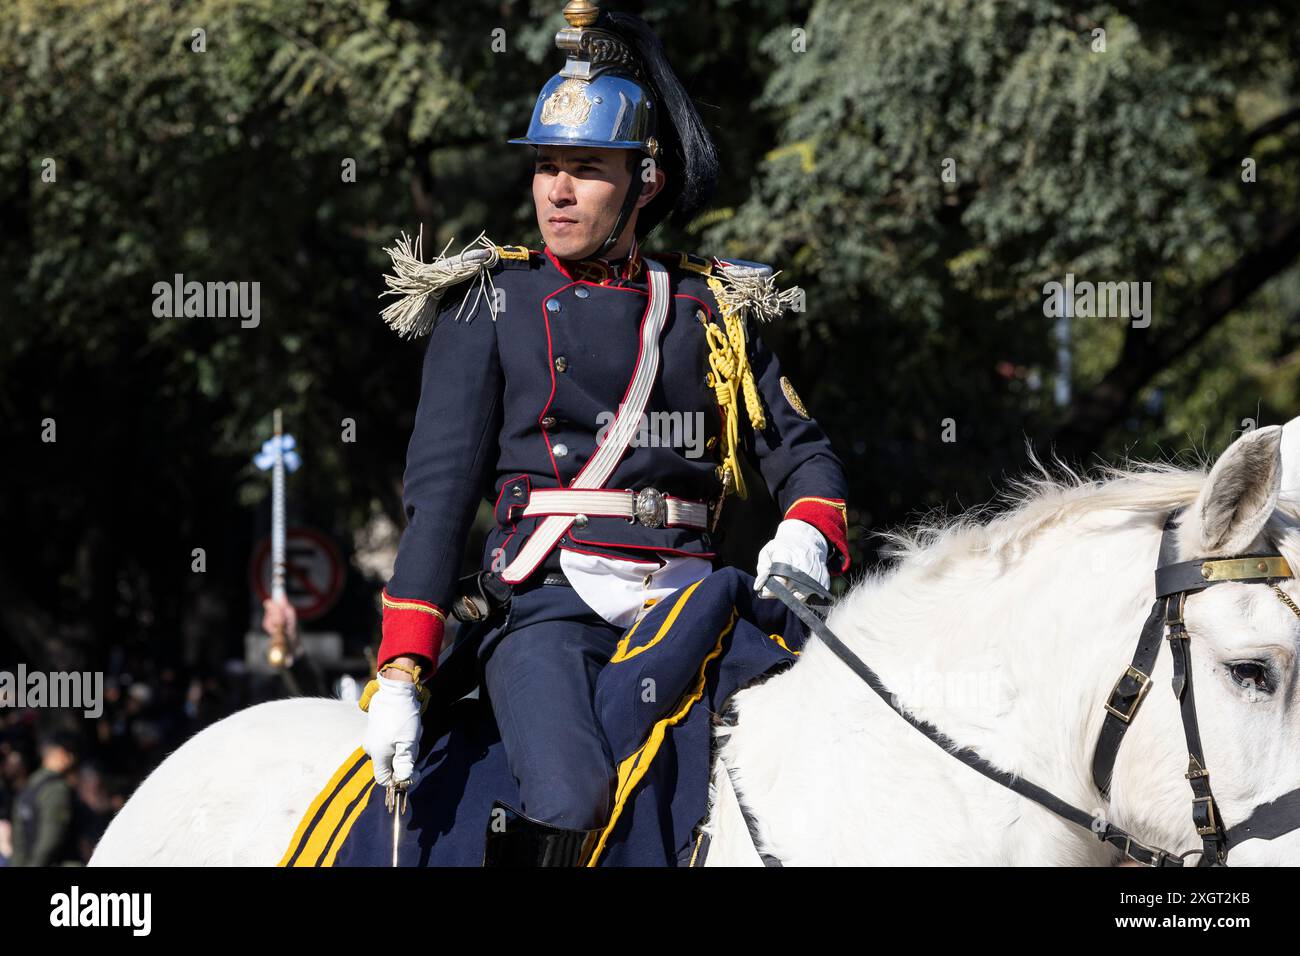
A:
x: 1145, y: 355
x: 1275, y: 125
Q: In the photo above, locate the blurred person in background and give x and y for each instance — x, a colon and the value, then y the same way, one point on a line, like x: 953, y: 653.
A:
x: 17, y: 757
x: 43, y: 825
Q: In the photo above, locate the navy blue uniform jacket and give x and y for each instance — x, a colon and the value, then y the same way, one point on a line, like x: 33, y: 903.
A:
x: 514, y: 404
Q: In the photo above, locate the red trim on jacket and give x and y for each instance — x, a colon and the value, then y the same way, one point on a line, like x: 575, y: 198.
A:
x: 411, y: 628
x: 555, y: 261
x: 550, y: 356
x: 630, y: 267
x: 828, y: 516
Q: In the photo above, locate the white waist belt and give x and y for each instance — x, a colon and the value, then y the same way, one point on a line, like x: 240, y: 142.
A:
x: 649, y: 506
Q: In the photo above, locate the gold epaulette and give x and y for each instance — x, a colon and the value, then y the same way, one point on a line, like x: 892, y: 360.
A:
x: 514, y: 253
x: 696, y: 264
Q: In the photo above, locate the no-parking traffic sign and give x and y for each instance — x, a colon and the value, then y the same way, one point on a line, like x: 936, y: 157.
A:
x: 313, y: 572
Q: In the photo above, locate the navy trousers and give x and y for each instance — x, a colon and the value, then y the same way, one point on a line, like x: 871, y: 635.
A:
x: 539, y: 671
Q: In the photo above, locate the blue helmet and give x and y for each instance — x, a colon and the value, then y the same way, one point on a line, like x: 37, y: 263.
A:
x: 617, y: 91
x: 601, y: 98
x: 610, y: 111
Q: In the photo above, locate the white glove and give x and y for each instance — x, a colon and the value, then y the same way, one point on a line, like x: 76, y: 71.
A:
x: 800, y: 545
x: 393, y: 730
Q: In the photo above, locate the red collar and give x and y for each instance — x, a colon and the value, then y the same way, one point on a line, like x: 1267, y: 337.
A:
x: 600, y: 271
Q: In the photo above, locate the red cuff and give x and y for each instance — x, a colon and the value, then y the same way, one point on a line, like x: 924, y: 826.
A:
x: 828, y: 516
x: 411, y: 628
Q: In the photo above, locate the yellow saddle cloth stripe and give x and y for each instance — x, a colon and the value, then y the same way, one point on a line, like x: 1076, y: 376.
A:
x: 635, y: 767
x: 326, y: 823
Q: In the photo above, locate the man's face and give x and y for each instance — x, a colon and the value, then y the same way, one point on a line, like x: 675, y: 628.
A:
x: 578, y: 192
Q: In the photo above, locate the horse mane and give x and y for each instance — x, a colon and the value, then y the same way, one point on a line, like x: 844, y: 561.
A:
x: 1001, y: 528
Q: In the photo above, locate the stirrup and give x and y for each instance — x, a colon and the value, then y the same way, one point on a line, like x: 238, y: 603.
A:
x: 519, y: 840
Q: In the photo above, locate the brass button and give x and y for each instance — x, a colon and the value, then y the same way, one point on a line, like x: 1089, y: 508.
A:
x: 699, y: 314
x: 552, y: 305
x: 516, y: 492
x: 559, y: 449
x: 1205, y: 571
x: 548, y: 422
x: 580, y: 521
x: 561, y: 363
x: 582, y: 292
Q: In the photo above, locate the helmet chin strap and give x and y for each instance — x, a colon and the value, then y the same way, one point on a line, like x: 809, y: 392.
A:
x: 625, y: 213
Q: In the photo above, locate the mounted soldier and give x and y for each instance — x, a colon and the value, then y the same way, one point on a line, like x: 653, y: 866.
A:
x: 565, y: 384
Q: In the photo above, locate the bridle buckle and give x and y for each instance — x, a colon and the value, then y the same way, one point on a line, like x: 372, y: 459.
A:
x: 1210, y: 826
x: 1158, y: 856
x: 1134, y: 700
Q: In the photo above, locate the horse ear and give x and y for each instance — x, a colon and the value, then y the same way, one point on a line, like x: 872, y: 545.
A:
x: 1241, y: 491
x: 1291, y: 459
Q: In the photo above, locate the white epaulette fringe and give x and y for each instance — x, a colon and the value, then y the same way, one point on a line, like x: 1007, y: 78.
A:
x: 752, y: 290
x: 420, y: 285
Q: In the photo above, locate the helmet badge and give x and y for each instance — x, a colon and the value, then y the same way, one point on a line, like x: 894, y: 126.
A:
x: 568, y: 105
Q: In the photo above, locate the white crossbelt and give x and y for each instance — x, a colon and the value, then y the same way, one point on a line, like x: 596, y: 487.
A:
x: 601, y: 465
x: 618, y: 504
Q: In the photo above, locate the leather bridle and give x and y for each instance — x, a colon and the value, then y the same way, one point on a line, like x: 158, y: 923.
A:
x: 1174, y: 581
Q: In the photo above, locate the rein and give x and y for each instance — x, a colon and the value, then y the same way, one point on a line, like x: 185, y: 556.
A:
x: 1173, y: 583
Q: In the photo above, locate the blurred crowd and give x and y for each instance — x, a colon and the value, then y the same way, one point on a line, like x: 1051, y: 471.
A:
x: 62, y: 777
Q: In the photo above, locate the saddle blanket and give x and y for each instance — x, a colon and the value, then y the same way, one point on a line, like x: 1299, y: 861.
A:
x: 694, y: 649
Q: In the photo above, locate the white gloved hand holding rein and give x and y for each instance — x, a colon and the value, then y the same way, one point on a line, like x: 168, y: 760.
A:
x: 800, y: 545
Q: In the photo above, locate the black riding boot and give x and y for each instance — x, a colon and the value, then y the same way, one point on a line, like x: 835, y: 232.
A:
x: 514, y: 839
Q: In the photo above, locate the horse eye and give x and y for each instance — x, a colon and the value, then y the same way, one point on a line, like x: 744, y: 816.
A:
x: 1252, y: 675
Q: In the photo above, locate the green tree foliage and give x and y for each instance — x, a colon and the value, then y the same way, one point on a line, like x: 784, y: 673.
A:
x: 1114, y: 165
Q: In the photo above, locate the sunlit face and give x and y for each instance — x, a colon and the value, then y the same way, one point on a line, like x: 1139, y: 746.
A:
x: 578, y: 192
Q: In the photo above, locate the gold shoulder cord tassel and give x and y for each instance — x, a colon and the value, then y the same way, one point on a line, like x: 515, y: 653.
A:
x: 740, y: 291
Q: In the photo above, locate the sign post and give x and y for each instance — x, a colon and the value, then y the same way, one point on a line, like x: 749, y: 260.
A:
x: 278, y: 454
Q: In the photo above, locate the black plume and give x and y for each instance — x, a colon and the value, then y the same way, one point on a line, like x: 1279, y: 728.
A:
x: 688, y: 154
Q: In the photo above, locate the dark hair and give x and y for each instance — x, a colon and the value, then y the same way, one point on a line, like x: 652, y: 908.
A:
x: 65, y: 739
x: 687, y: 152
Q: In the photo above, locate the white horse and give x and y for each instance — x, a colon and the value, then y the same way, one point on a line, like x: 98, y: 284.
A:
x: 1007, y: 634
